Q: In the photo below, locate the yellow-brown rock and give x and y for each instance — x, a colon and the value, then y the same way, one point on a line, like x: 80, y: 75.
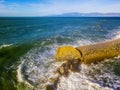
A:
x: 67, y: 53
x: 100, y: 51
x: 89, y: 53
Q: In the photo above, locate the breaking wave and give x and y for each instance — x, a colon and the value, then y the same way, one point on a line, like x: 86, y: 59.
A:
x: 38, y: 66
x: 114, y: 34
x: 5, y: 45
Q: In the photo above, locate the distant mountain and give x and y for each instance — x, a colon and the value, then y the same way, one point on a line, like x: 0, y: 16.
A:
x: 75, y: 14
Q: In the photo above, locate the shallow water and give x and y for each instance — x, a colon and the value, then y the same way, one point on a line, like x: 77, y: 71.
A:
x: 33, y: 64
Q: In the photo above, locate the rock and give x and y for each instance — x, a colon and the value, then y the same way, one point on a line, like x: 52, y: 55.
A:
x: 89, y: 53
x: 50, y: 87
x: 67, y: 53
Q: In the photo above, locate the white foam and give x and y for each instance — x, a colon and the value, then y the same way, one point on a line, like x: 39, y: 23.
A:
x: 20, y: 76
x: 78, y: 82
x: 99, y: 76
x: 83, y: 42
x: 5, y: 45
x: 115, y: 34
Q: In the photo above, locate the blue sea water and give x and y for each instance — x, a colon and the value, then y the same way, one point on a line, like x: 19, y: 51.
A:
x: 27, y: 30
x: 35, y: 37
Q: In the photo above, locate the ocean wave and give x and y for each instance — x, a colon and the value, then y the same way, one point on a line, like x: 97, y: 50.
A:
x: 114, y: 34
x: 39, y: 66
x: 20, y: 76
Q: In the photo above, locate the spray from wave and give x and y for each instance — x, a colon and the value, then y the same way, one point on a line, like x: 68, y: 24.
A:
x: 5, y: 45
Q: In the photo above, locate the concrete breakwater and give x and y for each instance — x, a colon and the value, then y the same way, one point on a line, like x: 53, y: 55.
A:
x: 89, y: 53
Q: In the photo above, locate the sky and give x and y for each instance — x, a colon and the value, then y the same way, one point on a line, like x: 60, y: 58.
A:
x: 54, y: 7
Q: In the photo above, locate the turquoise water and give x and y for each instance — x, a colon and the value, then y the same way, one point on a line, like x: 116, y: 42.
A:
x: 33, y: 41
x: 28, y: 30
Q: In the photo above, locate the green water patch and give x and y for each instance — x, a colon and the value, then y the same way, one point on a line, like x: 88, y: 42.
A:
x: 9, y: 56
x: 117, y: 68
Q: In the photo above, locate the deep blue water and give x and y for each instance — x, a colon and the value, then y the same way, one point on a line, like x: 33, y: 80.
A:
x: 33, y: 29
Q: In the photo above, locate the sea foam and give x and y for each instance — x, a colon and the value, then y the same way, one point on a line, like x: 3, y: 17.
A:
x: 39, y: 66
x: 114, y: 34
x: 5, y: 45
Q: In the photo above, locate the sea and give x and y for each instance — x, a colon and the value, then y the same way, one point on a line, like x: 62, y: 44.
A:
x: 28, y: 46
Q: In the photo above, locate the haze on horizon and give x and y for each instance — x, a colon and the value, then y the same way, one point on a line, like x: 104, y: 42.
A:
x: 54, y: 7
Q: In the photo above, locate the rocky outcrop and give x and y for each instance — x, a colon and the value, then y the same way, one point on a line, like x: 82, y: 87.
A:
x: 89, y: 53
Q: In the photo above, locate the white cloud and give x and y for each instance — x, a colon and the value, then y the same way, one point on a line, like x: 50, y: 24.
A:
x: 62, y: 7
x: 56, y: 7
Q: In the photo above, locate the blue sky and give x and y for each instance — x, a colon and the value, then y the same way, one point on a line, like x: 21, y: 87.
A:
x: 51, y: 7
